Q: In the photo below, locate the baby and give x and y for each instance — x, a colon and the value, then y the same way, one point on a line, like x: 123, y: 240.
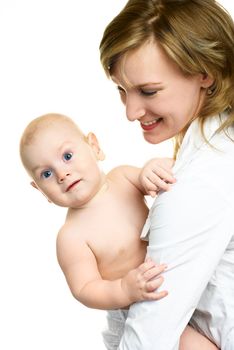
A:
x: 98, y: 247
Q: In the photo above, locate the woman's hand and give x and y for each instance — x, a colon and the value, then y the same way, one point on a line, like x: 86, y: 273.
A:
x: 157, y: 175
x: 141, y: 283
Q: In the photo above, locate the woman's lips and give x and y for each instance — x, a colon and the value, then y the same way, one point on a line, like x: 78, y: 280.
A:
x: 72, y: 185
x: 151, y: 124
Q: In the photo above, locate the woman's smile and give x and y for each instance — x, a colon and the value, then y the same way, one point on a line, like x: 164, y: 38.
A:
x: 176, y: 98
x: 150, y: 125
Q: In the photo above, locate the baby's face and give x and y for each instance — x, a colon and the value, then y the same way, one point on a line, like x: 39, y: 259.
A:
x: 63, y: 166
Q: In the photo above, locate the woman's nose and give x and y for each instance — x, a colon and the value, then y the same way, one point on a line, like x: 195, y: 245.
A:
x: 134, y: 108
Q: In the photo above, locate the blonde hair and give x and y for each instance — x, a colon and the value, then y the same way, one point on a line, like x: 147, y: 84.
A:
x: 38, y: 124
x: 198, y: 35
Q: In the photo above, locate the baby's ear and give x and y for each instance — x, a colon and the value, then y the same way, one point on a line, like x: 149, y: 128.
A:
x: 94, y: 144
x: 33, y: 184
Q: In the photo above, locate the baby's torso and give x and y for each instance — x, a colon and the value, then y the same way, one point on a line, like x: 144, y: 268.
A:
x: 112, y: 230
x: 117, y: 245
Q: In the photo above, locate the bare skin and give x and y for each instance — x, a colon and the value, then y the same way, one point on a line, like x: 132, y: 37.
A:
x: 112, y: 259
x: 192, y: 340
x: 101, y: 223
x: 98, y: 247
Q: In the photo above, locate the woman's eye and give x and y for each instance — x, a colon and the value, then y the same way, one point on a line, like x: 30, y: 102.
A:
x: 148, y: 92
x: 67, y: 156
x: 122, y: 94
x: 46, y: 174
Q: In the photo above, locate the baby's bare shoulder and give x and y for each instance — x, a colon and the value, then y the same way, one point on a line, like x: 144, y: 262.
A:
x: 71, y: 244
x: 123, y: 172
x: 127, y: 175
x: 69, y: 235
x: 71, y: 232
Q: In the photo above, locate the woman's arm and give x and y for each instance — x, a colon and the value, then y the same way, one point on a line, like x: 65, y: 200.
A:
x: 191, y: 226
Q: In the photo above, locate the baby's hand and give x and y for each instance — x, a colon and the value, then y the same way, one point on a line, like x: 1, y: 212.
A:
x: 157, y: 175
x: 141, y: 283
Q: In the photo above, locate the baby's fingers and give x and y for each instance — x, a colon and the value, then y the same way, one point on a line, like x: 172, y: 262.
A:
x: 155, y: 295
x: 154, y: 271
x: 151, y: 286
x: 162, y: 178
x: 146, y: 266
x: 156, y: 181
x: 153, y: 194
x: 168, y: 177
x: 149, y: 185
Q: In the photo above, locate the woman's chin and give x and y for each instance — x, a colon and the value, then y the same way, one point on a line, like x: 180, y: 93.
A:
x: 153, y: 139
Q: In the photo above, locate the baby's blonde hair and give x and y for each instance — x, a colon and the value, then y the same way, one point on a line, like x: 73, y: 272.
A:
x: 38, y: 124
x: 198, y: 35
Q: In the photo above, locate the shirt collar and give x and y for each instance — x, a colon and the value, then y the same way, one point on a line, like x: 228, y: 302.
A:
x: 194, y: 139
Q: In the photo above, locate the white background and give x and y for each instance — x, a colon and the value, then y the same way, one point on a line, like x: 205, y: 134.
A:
x: 49, y: 62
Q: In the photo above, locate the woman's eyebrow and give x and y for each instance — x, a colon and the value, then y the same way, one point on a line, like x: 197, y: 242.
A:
x: 120, y: 83
x: 148, y: 84
x: 143, y: 85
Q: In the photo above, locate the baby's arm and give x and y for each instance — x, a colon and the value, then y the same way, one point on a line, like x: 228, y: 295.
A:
x: 80, y: 268
x: 156, y: 175
x: 140, y: 283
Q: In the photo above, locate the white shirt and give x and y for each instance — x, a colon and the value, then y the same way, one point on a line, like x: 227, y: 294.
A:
x: 191, y: 228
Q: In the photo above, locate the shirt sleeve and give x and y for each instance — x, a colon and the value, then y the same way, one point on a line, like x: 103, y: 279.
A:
x: 190, y: 228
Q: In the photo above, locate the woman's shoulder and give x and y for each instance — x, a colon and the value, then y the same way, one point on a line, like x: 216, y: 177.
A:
x: 212, y: 133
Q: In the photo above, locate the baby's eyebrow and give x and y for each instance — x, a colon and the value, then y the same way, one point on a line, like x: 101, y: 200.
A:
x: 36, y: 168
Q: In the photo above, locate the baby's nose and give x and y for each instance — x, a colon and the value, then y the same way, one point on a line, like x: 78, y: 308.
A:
x: 62, y: 177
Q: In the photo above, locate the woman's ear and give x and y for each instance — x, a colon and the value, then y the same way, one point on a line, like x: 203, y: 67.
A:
x: 94, y: 144
x: 34, y: 185
x: 206, y: 81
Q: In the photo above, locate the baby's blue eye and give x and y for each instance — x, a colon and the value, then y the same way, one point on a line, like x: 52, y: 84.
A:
x: 46, y: 174
x: 67, y: 156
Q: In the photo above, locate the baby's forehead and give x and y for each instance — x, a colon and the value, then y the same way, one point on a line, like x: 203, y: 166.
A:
x: 60, y: 129
x: 49, y: 134
x: 46, y: 133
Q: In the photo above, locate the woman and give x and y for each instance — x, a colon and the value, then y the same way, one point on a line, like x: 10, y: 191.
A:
x: 173, y: 63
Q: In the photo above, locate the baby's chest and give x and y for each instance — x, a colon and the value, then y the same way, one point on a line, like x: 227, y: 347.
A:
x: 117, y: 251
x: 113, y: 235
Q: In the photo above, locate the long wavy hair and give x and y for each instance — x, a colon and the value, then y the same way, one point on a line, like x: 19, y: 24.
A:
x: 198, y: 35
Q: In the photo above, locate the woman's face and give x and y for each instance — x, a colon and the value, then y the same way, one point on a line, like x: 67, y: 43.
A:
x: 156, y: 93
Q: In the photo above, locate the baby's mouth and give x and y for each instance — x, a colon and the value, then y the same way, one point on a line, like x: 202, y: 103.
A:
x: 73, y: 184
